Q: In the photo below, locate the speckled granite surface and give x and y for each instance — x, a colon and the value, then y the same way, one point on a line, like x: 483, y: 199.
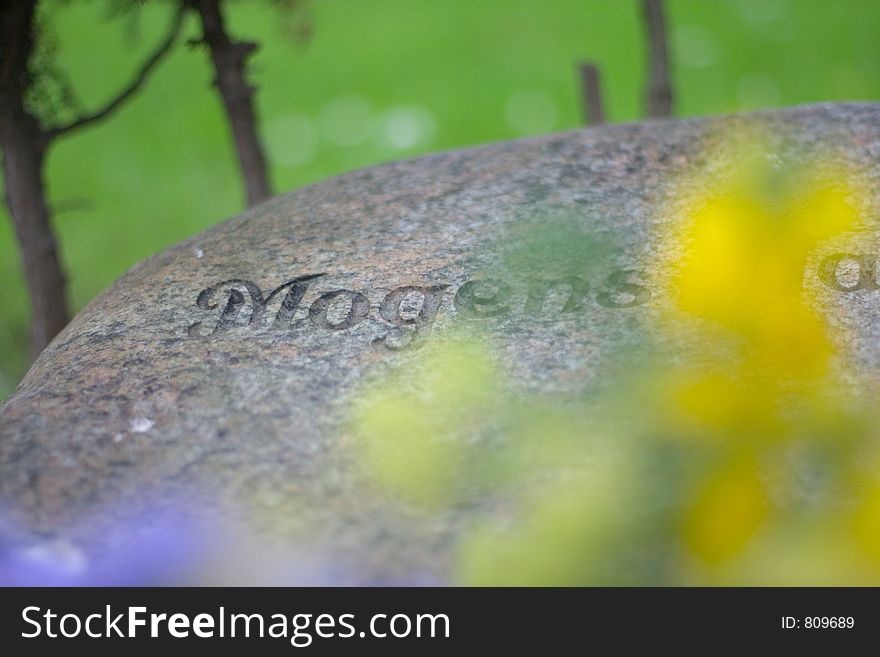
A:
x: 226, y: 363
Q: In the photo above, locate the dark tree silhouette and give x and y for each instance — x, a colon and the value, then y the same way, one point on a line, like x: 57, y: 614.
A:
x: 591, y: 92
x: 659, y: 96
x: 230, y: 59
x: 25, y: 141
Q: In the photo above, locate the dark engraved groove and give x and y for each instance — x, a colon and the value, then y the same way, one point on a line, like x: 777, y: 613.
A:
x: 296, y: 290
x: 232, y: 308
x: 236, y: 301
x: 409, y: 332
x: 359, y: 308
x: 389, y: 309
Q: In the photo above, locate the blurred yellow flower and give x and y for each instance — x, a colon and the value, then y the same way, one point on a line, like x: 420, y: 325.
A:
x: 415, y: 432
x: 727, y: 511
x: 866, y: 522
x: 743, y: 269
x: 565, y: 535
x: 591, y: 491
x: 737, y: 258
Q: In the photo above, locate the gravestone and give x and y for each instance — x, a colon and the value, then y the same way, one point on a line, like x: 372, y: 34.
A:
x: 228, y: 363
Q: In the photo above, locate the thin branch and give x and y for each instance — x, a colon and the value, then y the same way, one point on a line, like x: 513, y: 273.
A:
x: 594, y: 111
x: 138, y: 81
x: 659, y: 100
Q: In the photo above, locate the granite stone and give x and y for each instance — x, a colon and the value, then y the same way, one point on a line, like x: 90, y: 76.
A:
x: 227, y: 364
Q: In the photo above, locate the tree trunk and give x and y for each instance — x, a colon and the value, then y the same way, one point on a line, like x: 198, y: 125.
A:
x: 24, y: 145
x: 229, y: 65
x: 659, y: 101
x: 591, y: 92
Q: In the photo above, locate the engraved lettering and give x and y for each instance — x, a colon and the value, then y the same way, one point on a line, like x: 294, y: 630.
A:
x: 232, y: 309
x: 296, y: 290
x: 230, y: 315
x: 829, y: 270
x: 409, y: 331
x: 235, y: 301
x: 472, y: 298
x: 540, y: 290
x: 623, y: 292
x: 359, y: 306
x: 408, y: 312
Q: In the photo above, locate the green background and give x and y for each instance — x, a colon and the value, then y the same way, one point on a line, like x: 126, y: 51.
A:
x: 380, y: 80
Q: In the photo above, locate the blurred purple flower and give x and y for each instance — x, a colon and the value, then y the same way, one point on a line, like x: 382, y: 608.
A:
x: 154, y: 549
x: 161, y: 545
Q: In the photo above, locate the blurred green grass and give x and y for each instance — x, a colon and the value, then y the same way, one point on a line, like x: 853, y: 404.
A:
x: 386, y: 79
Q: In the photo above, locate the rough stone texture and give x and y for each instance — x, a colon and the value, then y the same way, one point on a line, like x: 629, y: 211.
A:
x: 145, y: 390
